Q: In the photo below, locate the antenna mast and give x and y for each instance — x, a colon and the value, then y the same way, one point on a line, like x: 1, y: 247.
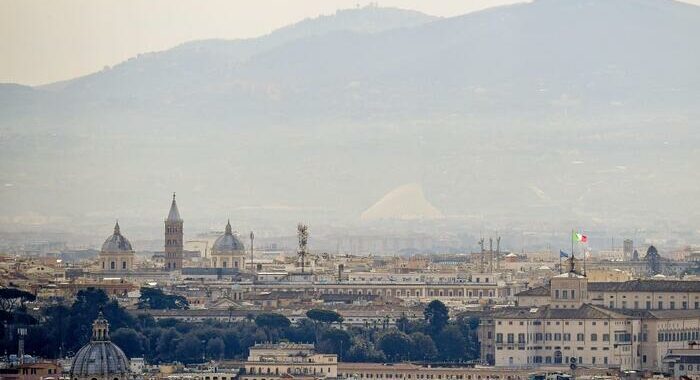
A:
x: 303, y: 235
x: 252, y: 239
x: 481, y: 256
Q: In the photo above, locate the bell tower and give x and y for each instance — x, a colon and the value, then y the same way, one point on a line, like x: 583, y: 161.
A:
x: 173, y: 238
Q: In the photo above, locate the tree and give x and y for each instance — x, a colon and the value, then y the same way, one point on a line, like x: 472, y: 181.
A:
x: 13, y: 298
x: 395, y: 345
x: 362, y: 350
x: 304, y: 331
x: 272, y: 320
x: 232, y: 345
x: 215, y: 348
x: 451, y: 344
x: 153, y: 298
x: 132, y: 342
x: 189, y: 349
x: 334, y: 341
x: 324, y: 316
x: 165, y: 346
x: 422, y: 347
x: 437, y: 315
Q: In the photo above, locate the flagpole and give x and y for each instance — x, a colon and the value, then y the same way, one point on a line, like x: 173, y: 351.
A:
x: 572, y: 244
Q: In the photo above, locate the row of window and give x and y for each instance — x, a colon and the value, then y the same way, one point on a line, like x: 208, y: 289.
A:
x: 425, y: 376
x: 113, y: 265
x: 677, y: 336
x: 564, y: 294
x: 562, y: 337
x: 409, y: 292
x: 660, y: 305
x: 290, y: 370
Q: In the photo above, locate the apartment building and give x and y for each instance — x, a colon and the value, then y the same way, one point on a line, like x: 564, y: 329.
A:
x: 567, y: 319
x: 272, y: 361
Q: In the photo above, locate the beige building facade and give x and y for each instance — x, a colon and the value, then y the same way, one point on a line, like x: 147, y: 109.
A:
x: 289, y: 360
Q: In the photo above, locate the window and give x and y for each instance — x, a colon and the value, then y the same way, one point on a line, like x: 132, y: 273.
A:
x: 499, y: 338
x: 521, y: 338
x: 605, y: 360
x: 567, y: 337
x: 556, y: 293
x: 123, y: 264
x: 594, y: 338
x: 564, y: 294
x: 113, y: 265
x: 606, y: 337
x: 511, y: 338
x: 649, y: 305
x: 661, y: 304
x: 673, y: 305
x: 579, y: 337
x: 573, y: 294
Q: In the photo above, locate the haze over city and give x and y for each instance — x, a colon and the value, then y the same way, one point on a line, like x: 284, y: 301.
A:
x: 338, y: 190
x: 495, y: 115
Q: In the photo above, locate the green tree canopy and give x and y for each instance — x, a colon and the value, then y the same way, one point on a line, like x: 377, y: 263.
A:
x: 335, y: 341
x: 272, y: 320
x: 325, y: 316
x: 133, y: 343
x: 189, y: 349
x: 451, y: 344
x: 422, y: 347
x: 12, y: 298
x: 215, y: 348
x: 436, y: 315
x: 395, y: 345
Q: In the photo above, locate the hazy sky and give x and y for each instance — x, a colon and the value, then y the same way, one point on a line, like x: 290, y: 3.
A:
x: 42, y: 41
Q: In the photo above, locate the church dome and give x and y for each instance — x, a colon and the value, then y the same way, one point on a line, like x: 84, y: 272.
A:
x: 116, y: 243
x: 227, y: 243
x: 100, y: 359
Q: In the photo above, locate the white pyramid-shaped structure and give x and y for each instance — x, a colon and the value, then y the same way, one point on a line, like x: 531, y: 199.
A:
x: 405, y: 202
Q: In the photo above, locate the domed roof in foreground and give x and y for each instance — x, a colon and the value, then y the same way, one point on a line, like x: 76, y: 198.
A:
x: 227, y: 243
x: 100, y: 358
x: 116, y: 243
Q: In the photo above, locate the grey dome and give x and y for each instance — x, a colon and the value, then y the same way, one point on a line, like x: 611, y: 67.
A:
x: 227, y: 243
x: 116, y: 242
x: 100, y: 358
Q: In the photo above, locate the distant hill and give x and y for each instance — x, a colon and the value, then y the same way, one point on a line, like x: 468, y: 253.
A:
x: 540, y: 114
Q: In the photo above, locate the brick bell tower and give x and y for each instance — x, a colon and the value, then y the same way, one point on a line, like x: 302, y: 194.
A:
x: 173, y: 239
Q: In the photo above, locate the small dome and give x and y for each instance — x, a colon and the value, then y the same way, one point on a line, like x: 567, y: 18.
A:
x: 116, y: 243
x: 227, y: 243
x: 100, y: 358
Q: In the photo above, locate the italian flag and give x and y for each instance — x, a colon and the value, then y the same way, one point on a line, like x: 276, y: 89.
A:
x: 579, y: 237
